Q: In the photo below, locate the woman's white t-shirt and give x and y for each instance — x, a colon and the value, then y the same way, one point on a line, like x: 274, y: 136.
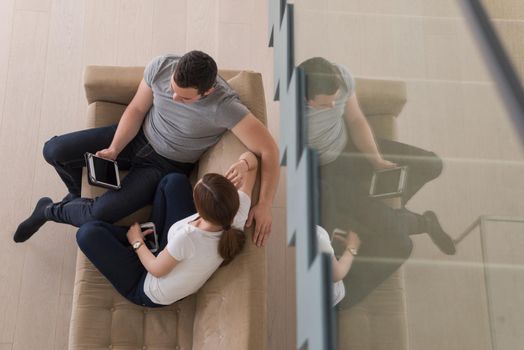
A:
x: 197, y: 254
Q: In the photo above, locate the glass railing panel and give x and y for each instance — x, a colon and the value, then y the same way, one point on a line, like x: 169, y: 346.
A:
x: 414, y: 70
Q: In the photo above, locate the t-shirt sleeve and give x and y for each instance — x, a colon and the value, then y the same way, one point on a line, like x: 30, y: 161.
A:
x: 347, y: 78
x: 181, y: 246
x: 152, y: 69
x: 243, y: 211
x: 230, y: 112
x: 324, y: 244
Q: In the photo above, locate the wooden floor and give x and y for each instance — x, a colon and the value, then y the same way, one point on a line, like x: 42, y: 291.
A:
x: 44, y: 46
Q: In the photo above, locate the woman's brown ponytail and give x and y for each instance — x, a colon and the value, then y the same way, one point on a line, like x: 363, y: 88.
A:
x: 231, y: 243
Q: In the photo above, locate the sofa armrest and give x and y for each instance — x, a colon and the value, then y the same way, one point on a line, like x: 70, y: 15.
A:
x: 381, y: 97
x: 112, y: 84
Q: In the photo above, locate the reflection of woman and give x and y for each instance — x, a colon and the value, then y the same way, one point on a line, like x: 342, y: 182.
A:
x: 342, y: 265
x: 192, y: 245
x: 348, y: 154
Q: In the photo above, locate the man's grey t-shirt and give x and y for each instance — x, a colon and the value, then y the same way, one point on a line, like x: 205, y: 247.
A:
x: 183, y: 131
x: 327, y: 131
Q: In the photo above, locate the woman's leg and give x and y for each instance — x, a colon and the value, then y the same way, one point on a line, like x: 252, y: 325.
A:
x: 380, y: 255
x: 173, y: 202
x: 106, y: 246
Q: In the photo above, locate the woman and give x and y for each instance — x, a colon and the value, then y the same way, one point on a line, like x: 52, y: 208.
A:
x: 192, y: 245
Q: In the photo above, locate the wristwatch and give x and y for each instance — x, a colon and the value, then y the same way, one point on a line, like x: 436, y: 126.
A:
x: 137, y: 245
x: 352, y: 250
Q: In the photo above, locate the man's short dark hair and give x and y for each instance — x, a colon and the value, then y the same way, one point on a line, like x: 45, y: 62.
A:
x: 322, y: 77
x: 196, y: 69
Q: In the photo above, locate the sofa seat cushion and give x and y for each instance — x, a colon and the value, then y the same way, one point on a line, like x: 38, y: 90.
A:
x: 105, y: 320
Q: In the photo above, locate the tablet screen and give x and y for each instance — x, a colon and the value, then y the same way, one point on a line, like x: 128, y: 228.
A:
x: 105, y: 171
x: 387, y: 181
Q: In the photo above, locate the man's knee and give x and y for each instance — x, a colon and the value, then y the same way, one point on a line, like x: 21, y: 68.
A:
x: 102, y: 212
x: 434, y: 166
x: 51, y: 150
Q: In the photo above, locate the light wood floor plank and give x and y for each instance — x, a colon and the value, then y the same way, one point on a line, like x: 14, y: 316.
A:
x: 169, y: 27
x: 63, y: 74
x: 33, y: 5
x: 6, y: 24
x: 40, y: 290
x: 62, y: 326
x: 135, y: 25
x: 22, y: 106
x: 100, y: 40
x: 202, y: 26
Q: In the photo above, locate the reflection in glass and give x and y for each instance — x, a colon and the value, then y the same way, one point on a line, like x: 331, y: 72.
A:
x: 423, y: 100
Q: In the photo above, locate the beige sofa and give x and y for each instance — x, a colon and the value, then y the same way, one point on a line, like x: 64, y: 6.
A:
x: 229, y: 312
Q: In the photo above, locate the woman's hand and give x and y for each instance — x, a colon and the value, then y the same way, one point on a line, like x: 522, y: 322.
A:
x: 135, y: 233
x: 350, y: 240
x: 236, y: 173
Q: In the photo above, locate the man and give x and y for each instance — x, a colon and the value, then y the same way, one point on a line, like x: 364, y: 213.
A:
x: 181, y: 108
x: 348, y: 154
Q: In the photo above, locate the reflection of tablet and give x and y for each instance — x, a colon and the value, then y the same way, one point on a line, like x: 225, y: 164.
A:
x: 102, y: 172
x: 388, y: 183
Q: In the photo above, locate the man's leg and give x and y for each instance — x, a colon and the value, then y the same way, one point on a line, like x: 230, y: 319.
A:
x: 173, y: 202
x: 345, y: 185
x: 423, y: 166
x: 106, y: 246
x: 138, y: 189
x: 66, y: 153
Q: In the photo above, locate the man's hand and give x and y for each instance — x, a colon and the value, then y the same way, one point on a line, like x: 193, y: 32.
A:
x: 381, y: 163
x: 236, y: 173
x: 261, y: 213
x: 107, y: 153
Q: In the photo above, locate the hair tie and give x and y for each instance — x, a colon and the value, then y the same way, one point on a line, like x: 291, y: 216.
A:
x: 228, y: 227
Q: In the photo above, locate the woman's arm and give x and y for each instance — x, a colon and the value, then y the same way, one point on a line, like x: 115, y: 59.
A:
x: 342, y: 266
x: 243, y: 173
x: 159, y: 265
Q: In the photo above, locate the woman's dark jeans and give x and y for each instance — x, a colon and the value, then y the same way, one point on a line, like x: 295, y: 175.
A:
x: 107, y: 247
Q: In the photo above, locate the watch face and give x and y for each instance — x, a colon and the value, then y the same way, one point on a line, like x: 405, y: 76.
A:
x: 137, y: 245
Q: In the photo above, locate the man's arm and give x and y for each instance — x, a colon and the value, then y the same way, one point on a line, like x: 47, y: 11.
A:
x: 255, y: 136
x: 130, y: 122
x: 362, y: 135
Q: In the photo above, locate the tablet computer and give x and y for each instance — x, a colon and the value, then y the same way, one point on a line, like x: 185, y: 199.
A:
x: 102, y: 172
x: 388, y: 183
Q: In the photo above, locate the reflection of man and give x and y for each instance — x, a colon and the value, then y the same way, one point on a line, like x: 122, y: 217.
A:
x: 181, y: 108
x: 349, y: 153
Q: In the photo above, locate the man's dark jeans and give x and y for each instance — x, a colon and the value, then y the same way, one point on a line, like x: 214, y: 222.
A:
x: 146, y: 168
